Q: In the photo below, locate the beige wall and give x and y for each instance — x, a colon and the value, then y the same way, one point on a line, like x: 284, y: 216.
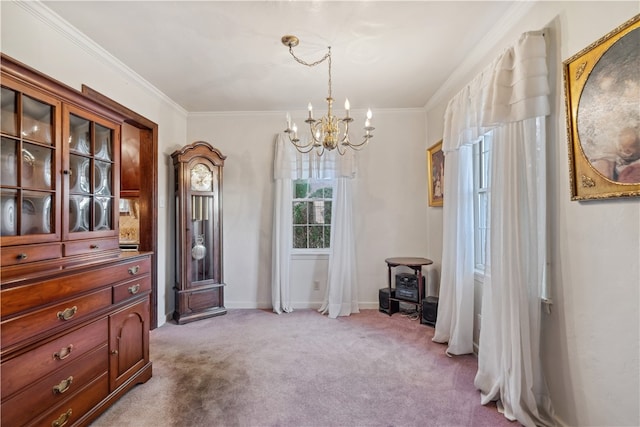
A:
x: 590, y: 341
x: 390, y: 190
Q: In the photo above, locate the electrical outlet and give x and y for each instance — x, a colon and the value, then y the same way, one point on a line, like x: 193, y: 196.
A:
x: 316, y: 285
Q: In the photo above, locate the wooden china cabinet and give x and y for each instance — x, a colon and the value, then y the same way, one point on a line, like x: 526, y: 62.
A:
x: 198, y: 204
x: 74, y: 327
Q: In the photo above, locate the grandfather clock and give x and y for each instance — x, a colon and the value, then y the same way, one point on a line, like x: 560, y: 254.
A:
x: 198, y: 200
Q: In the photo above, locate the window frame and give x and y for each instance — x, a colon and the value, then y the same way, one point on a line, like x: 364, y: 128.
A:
x: 481, y: 191
x: 302, y: 253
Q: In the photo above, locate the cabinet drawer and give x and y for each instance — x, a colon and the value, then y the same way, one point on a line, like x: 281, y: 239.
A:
x: 53, y: 355
x: 66, y: 313
x: 131, y: 288
x: 69, y: 412
x: 81, y: 247
x: 21, y: 298
x: 13, y: 255
x: 54, y: 388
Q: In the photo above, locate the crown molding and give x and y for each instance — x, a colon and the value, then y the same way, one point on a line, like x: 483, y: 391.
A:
x: 500, y: 29
x: 57, y: 23
x: 302, y: 113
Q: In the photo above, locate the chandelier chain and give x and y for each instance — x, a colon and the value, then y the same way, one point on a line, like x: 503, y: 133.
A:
x: 313, y: 64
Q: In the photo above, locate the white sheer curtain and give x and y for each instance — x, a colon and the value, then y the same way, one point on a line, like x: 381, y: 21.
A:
x: 341, y: 296
x: 342, y: 286
x: 282, y: 229
x: 509, y: 368
x: 510, y: 97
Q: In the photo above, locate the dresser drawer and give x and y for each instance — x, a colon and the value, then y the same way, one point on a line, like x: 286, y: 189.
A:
x: 20, y: 371
x: 65, y: 313
x: 80, y: 247
x: 131, y: 288
x: 13, y: 255
x: 69, y: 412
x: 54, y: 388
x: 21, y: 298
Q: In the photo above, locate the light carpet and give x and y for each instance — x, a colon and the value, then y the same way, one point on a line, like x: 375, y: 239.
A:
x: 256, y: 368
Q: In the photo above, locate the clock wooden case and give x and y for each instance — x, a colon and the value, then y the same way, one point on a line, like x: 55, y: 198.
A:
x: 199, y: 285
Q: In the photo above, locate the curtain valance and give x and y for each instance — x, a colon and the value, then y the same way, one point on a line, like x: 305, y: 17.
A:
x: 513, y: 87
x: 289, y: 163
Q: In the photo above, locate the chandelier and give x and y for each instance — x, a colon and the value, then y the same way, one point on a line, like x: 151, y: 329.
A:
x: 329, y: 132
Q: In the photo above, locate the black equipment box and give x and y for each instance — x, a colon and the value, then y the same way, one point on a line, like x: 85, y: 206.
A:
x: 407, y: 287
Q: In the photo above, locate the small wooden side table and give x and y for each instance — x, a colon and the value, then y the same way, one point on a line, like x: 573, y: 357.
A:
x: 416, y: 265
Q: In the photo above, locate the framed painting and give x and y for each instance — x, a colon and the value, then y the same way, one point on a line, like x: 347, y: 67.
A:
x: 602, y: 93
x: 435, y: 172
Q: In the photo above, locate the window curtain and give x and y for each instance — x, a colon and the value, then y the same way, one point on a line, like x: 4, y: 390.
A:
x: 290, y: 164
x: 509, y: 97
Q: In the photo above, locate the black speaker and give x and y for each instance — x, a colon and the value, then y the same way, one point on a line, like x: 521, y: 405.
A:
x: 430, y: 310
x: 383, y: 300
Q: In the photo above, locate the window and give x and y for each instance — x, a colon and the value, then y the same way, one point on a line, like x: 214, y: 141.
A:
x: 312, y: 213
x: 481, y: 185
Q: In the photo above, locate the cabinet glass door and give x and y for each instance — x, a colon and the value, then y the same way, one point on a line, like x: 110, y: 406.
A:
x: 28, y: 156
x: 91, y: 169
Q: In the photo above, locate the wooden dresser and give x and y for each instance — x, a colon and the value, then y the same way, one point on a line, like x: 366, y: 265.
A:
x: 75, y: 341
x: 74, y: 309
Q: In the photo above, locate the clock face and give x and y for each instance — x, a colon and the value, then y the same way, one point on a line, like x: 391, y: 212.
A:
x: 201, y: 178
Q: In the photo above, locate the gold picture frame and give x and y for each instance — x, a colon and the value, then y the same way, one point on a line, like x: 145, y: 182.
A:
x: 602, y: 89
x: 435, y: 172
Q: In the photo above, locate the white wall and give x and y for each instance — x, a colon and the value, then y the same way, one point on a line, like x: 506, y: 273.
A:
x: 590, y: 341
x: 390, y: 200
x: 34, y: 37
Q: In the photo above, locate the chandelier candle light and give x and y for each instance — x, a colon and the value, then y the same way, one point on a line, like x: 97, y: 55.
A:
x: 328, y: 132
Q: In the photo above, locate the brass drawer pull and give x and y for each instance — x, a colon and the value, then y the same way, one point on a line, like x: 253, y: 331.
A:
x: 63, y: 353
x: 62, y: 419
x: 63, y: 386
x: 67, y: 313
x: 134, y: 289
x: 22, y: 256
x: 134, y: 270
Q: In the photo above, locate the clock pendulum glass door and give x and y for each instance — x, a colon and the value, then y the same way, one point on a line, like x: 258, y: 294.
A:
x: 201, y: 237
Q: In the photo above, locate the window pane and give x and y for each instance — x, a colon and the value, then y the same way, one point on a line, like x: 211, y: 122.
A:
x: 318, y: 211
x: 316, y: 237
x: 299, y: 212
x: 301, y: 189
x: 300, y: 237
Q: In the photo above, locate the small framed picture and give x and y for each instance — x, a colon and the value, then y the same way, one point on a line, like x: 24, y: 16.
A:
x: 602, y: 93
x: 435, y: 171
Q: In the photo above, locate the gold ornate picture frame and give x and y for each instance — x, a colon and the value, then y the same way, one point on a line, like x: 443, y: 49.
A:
x: 435, y: 172
x: 602, y: 94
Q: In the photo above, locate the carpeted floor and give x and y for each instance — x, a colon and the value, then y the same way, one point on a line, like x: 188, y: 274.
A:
x: 255, y: 368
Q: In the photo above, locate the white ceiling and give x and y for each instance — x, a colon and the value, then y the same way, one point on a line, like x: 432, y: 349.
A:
x: 228, y: 55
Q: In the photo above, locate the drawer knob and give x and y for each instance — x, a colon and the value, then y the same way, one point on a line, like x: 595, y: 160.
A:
x: 63, y: 386
x: 22, y: 256
x: 94, y: 246
x: 67, y: 313
x: 114, y: 352
x: 134, y: 270
x: 63, y: 353
x: 134, y: 289
x: 62, y: 419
